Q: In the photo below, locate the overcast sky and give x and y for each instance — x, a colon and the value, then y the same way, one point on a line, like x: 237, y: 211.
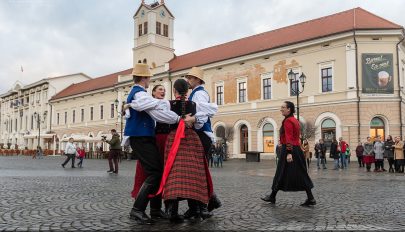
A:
x: 58, y: 37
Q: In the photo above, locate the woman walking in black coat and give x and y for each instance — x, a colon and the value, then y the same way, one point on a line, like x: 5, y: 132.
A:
x: 291, y: 174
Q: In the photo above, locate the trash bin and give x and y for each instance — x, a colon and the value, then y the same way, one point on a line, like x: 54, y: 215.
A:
x: 252, y: 156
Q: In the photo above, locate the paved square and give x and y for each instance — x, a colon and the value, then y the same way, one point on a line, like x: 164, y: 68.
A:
x: 41, y: 195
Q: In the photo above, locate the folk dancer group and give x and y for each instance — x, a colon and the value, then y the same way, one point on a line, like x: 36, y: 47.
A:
x: 172, y: 140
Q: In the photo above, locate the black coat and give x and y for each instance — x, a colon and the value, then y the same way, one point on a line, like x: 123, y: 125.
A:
x: 334, y: 151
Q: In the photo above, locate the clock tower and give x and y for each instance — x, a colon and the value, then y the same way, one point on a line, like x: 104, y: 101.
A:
x: 153, y: 34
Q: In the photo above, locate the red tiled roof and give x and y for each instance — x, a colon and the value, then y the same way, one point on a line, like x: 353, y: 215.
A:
x: 91, y: 85
x: 357, y: 18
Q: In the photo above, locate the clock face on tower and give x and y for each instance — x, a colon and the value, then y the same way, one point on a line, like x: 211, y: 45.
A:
x: 162, y: 13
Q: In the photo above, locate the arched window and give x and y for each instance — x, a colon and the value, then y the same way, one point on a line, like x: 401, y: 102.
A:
x: 268, y: 138
x: 220, y: 132
x: 377, y: 127
x: 244, y: 139
x: 328, y: 129
x: 145, y: 61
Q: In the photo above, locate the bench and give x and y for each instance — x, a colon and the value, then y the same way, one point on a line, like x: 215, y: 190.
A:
x: 253, y: 156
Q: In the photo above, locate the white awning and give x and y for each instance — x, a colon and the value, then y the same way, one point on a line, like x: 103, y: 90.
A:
x: 43, y: 136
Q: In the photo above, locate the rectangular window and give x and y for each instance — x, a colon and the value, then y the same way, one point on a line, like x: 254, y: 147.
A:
x: 21, y: 122
x: 158, y: 28
x: 145, y: 28
x: 220, y: 95
x: 165, y: 30
x: 112, y: 111
x: 82, y: 115
x: 101, y: 112
x: 242, y: 92
x: 139, y: 29
x: 91, y: 113
x: 74, y: 116
x: 32, y: 122
x: 267, y: 88
x: 294, y: 85
x: 15, y: 126
x: 65, y: 117
x: 11, y: 125
x: 57, y: 119
x: 326, y: 76
x: 26, y: 122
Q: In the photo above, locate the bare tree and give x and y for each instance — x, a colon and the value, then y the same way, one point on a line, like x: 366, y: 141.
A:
x: 308, y: 130
x: 226, y: 134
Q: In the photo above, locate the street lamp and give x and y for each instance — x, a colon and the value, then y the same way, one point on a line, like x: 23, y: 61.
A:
x: 293, y: 78
x: 116, y: 102
x: 39, y: 120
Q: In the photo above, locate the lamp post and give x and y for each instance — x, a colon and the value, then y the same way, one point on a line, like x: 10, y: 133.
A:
x: 39, y: 120
x: 116, y: 102
x: 293, y: 79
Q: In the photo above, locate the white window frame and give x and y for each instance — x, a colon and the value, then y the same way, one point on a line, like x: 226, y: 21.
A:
x: 240, y: 80
x: 266, y: 76
x: 329, y: 64
x: 295, y: 70
x: 218, y: 84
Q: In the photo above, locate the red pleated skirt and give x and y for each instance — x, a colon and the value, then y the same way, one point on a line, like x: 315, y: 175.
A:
x: 188, y: 178
x: 140, y: 174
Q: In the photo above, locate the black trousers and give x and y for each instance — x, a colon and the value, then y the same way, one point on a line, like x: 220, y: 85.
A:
x: 70, y: 157
x: 146, y: 150
x: 391, y: 163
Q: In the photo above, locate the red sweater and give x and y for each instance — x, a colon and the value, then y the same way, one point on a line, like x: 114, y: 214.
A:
x: 292, y: 130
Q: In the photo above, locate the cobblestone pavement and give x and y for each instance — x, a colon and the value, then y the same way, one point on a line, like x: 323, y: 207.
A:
x: 41, y: 195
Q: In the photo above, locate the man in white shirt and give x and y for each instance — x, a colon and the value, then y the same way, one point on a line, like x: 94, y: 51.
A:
x: 202, y: 125
x: 70, y: 152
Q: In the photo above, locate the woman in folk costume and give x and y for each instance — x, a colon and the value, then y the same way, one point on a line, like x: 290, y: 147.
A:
x: 184, y: 175
x: 291, y: 173
x: 161, y: 132
x: 195, y: 80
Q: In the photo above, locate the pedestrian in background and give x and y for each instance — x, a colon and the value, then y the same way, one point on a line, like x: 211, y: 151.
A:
x: 305, y: 149
x: 359, y: 154
x: 368, y: 154
x: 70, y: 152
x: 378, y: 154
x: 80, y: 155
x: 115, y: 151
x: 343, y: 147
x: 399, y: 155
x: 39, y: 152
x: 389, y: 152
x: 320, y: 150
x: 334, y: 153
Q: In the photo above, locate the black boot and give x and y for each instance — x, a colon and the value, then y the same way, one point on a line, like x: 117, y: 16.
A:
x: 269, y: 198
x: 214, y: 203
x: 309, y: 202
x: 138, y: 211
x: 155, y: 208
x: 173, y: 210
x: 193, y: 210
x: 204, y: 213
x: 140, y: 217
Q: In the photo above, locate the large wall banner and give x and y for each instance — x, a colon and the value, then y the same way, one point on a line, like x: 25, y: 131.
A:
x: 377, y: 73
